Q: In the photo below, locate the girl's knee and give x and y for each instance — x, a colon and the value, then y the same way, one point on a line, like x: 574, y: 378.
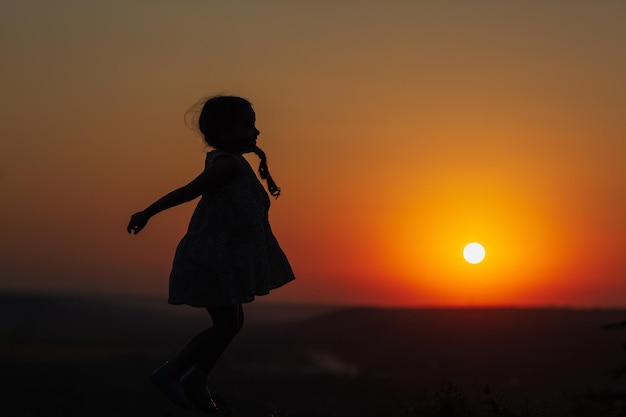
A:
x: 228, y: 329
x: 240, y: 317
x: 227, y: 320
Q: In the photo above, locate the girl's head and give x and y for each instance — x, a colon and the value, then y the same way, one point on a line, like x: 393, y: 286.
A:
x: 228, y: 123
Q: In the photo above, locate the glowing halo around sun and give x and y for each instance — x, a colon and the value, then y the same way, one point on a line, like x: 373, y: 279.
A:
x: 474, y: 253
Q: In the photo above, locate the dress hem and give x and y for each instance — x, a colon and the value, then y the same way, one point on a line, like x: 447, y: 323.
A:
x: 245, y: 300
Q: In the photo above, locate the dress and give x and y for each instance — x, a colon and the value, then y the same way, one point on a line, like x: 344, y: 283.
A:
x: 229, y: 254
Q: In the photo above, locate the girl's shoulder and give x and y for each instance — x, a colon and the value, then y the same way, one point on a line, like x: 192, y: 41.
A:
x: 219, y: 154
x: 235, y: 161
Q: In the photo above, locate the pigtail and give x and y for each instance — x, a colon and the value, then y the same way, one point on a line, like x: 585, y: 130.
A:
x: 265, y: 173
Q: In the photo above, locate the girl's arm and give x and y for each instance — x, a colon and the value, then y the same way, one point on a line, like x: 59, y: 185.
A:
x: 221, y: 171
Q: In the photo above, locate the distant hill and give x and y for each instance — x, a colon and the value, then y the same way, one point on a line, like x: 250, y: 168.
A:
x: 307, y: 358
x: 119, y: 320
x: 542, y: 353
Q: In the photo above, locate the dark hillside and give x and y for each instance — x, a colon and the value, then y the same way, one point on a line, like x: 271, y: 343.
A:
x: 95, y: 354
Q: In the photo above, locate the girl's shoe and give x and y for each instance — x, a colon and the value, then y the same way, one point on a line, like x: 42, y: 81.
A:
x: 195, y: 386
x: 163, y: 377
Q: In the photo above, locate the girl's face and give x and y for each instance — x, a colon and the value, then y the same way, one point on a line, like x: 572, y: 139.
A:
x: 242, y: 137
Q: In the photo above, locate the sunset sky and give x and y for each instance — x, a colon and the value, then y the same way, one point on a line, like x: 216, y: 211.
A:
x: 399, y: 131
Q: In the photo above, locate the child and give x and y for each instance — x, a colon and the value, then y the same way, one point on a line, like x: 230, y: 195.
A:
x: 229, y: 254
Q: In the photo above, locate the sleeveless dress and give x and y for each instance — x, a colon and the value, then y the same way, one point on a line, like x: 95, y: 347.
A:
x: 229, y: 254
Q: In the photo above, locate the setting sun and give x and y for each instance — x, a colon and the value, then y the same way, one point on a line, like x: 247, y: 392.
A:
x: 474, y: 253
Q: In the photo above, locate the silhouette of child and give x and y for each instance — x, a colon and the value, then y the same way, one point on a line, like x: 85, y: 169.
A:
x: 229, y: 254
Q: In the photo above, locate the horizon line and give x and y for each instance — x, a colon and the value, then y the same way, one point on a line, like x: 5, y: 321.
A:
x: 321, y: 304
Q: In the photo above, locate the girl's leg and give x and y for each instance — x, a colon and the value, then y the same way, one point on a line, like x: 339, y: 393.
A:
x: 227, y: 321
x: 205, y: 348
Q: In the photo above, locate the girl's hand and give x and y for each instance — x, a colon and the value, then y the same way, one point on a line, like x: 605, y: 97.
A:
x: 137, y: 222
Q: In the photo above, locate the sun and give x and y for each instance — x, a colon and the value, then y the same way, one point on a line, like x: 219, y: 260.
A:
x: 474, y: 253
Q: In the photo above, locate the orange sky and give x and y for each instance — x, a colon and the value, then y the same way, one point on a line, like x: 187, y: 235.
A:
x: 398, y: 133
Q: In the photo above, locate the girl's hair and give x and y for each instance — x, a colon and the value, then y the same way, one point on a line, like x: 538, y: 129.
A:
x: 220, y: 113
